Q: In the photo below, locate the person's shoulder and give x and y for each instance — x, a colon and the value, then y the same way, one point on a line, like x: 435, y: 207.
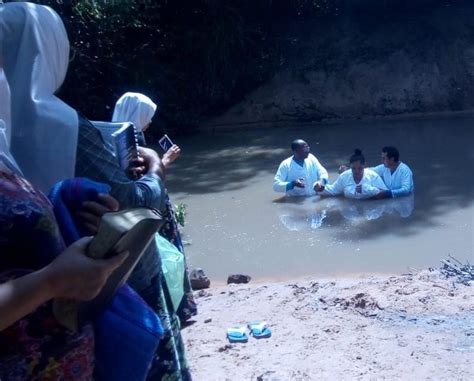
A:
x: 286, y: 162
x: 370, y: 172
x: 404, y: 167
x: 346, y: 173
x: 378, y: 168
x: 312, y: 157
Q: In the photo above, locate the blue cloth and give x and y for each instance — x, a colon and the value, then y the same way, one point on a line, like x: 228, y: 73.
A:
x: 128, y: 355
x: 128, y: 332
x: 67, y: 196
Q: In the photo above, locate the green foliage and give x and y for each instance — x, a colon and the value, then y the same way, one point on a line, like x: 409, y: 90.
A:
x: 180, y: 211
x: 194, y: 57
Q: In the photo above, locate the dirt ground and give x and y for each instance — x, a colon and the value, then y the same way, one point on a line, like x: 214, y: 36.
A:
x: 413, y: 326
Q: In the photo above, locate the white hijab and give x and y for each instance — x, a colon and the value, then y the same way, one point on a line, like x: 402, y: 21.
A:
x: 44, y: 129
x: 7, y: 162
x: 135, y: 108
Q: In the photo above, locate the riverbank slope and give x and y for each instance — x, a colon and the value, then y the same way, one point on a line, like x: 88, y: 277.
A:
x: 412, y: 326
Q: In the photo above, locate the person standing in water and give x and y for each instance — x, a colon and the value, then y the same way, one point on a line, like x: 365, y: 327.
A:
x: 396, y: 175
x: 301, y: 174
x: 357, y: 182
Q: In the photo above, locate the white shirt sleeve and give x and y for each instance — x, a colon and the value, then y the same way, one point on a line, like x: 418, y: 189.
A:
x: 335, y: 188
x: 379, y: 169
x: 406, y: 184
x: 280, y: 181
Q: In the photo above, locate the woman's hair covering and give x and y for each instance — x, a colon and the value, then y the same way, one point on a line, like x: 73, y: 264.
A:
x: 7, y: 162
x: 357, y: 156
x: 135, y: 108
x: 35, y: 50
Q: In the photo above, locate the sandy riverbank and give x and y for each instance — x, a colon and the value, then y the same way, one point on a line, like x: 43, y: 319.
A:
x: 415, y: 326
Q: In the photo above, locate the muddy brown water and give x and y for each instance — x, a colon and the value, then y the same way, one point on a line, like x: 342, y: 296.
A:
x: 236, y: 223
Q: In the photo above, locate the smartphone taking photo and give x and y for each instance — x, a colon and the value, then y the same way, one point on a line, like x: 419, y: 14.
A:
x: 165, y: 143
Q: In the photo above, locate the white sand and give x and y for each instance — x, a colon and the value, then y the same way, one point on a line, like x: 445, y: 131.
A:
x: 410, y: 327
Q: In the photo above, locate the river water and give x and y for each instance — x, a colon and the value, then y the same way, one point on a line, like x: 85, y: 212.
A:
x: 236, y: 223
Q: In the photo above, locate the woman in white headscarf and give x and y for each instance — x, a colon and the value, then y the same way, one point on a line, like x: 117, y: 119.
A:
x: 36, y: 57
x: 32, y: 344
x: 138, y: 109
x: 135, y: 108
x: 51, y: 142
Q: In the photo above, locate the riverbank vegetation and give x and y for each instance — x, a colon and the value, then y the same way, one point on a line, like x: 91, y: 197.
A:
x: 196, y: 58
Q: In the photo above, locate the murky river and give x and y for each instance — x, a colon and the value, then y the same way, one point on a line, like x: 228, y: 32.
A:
x: 236, y: 223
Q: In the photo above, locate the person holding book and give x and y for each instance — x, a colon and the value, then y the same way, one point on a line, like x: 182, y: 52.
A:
x: 35, y: 267
x: 139, y: 109
x: 50, y: 142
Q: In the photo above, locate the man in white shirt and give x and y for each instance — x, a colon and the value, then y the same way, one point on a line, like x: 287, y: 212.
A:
x: 301, y: 174
x: 396, y: 175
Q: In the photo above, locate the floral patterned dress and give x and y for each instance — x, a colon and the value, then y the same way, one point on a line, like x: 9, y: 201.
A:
x: 36, y: 347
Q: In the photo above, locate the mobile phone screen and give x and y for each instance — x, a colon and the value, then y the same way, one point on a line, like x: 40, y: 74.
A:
x: 165, y: 143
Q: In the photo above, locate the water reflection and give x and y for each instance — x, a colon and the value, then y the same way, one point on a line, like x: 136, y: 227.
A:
x: 234, y: 225
x: 298, y: 214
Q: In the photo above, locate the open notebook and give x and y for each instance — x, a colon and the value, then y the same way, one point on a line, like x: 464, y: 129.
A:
x: 130, y: 230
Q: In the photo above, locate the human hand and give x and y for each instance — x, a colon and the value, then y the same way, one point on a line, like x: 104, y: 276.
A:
x: 137, y: 167
x: 358, y: 188
x: 91, y: 212
x: 382, y: 194
x: 171, y: 155
x: 73, y: 275
x: 319, y: 186
x: 299, y: 183
x: 152, y: 162
x: 342, y: 168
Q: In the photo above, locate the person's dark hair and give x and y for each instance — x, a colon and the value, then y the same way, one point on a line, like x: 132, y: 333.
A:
x: 297, y: 143
x: 357, y: 156
x: 392, y: 152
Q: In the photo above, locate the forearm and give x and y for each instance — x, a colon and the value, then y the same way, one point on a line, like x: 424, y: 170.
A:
x: 329, y: 190
x: 148, y: 192
x: 23, y: 295
x: 282, y: 186
x: 400, y: 192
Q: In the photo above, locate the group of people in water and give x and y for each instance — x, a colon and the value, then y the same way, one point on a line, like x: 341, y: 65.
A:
x: 47, y: 147
x: 303, y: 175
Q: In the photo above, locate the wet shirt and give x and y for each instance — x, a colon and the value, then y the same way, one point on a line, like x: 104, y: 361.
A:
x: 289, y: 170
x: 371, y: 183
x: 400, y: 182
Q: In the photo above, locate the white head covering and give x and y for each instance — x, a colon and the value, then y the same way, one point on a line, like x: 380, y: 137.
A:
x: 35, y: 49
x: 7, y: 162
x: 135, y: 108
